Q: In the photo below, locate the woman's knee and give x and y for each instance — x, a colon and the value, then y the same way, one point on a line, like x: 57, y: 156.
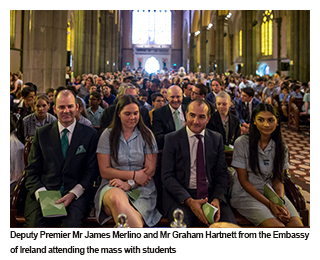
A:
x: 295, y: 222
x: 115, y: 199
x: 272, y: 222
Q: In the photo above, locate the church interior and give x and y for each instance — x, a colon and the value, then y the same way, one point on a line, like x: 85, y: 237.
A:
x: 50, y: 48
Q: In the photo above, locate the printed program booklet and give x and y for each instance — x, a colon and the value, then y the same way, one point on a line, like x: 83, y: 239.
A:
x: 272, y: 195
x: 209, y: 211
x: 48, y: 204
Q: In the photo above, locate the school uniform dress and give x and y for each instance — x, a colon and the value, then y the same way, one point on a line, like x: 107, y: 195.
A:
x: 131, y: 156
x: 243, y: 202
x: 95, y: 117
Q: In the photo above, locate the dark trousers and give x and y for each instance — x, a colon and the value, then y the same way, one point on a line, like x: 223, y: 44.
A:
x: 192, y: 220
x: 74, y: 218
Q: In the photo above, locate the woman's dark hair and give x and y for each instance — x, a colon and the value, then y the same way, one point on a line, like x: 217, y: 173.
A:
x: 276, y: 136
x: 144, y: 83
x: 116, y: 126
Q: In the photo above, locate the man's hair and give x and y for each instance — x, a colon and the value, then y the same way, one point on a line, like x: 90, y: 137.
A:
x: 218, y: 80
x: 156, y: 81
x: 102, y: 76
x: 295, y: 86
x: 155, y: 95
x: 123, y: 87
x: 96, y: 94
x: 185, y: 85
x: 199, y: 102
x: 49, y: 90
x: 25, y: 91
x: 143, y: 93
x: 62, y: 89
x: 116, y: 82
x: 271, y: 82
x: 203, y: 89
x: 249, y: 91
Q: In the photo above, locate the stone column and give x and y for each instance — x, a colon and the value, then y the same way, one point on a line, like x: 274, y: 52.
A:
x: 78, y: 63
x: 293, y: 16
x: 45, y: 48
x: 220, y: 43
x: 108, y: 41
x: 278, y: 21
x: 204, y: 52
x: 249, y: 55
x: 192, y: 49
x: 102, y: 48
x: 231, y: 37
x: 304, y: 47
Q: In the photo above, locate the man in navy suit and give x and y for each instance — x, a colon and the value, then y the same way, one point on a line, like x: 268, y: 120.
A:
x: 71, y: 171
x: 244, y: 107
x: 180, y: 169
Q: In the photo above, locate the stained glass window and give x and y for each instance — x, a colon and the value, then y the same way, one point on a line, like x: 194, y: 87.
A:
x: 267, y: 33
x: 150, y: 27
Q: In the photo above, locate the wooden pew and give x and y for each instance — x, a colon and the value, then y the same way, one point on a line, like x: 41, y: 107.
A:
x: 294, y: 117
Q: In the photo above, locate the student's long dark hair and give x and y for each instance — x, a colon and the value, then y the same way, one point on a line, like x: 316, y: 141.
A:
x: 116, y: 127
x: 276, y: 136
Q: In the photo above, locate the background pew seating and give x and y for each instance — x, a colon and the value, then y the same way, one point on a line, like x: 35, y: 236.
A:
x: 294, y: 117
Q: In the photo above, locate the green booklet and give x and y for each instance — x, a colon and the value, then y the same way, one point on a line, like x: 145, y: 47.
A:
x: 48, y: 204
x: 272, y: 195
x: 228, y: 148
x: 209, y: 211
x: 134, y: 194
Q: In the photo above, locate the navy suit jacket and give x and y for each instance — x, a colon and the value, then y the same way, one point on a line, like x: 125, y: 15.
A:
x: 175, y: 172
x: 241, y: 111
x: 163, y: 123
x: 215, y: 124
x: 48, y: 168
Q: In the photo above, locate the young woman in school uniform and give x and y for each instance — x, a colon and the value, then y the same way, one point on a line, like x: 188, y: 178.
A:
x: 261, y: 157
x: 127, y: 155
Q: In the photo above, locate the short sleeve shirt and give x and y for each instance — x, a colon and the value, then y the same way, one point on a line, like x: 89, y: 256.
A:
x: 240, y: 159
x: 95, y: 117
x: 131, y: 153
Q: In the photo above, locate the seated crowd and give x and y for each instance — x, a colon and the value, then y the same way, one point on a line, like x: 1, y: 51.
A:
x: 154, y: 143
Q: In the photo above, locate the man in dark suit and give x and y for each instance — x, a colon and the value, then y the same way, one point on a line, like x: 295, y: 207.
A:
x: 189, y: 179
x: 164, y: 118
x: 107, y: 116
x: 167, y: 119
x: 62, y: 157
x: 244, y: 107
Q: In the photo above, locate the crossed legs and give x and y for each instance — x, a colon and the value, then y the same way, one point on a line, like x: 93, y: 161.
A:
x: 115, y: 202
x: 273, y: 222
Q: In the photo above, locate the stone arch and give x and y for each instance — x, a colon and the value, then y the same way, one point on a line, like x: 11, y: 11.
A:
x: 195, y: 21
x: 206, y: 17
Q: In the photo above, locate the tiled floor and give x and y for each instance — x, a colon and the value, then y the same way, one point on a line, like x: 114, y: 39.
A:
x: 299, y: 147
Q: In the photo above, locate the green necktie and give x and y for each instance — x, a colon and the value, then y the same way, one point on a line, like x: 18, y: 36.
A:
x: 64, y: 142
x: 177, y: 120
